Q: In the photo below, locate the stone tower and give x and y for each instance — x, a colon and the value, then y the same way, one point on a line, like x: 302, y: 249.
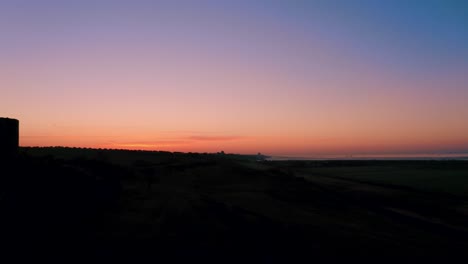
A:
x: 9, y: 137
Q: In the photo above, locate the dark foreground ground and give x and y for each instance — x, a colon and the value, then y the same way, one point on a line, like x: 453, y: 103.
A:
x: 76, y: 205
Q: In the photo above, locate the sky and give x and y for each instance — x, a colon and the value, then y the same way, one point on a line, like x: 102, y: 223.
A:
x: 290, y: 78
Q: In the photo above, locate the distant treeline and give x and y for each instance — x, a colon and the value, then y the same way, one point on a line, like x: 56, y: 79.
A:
x: 74, y: 152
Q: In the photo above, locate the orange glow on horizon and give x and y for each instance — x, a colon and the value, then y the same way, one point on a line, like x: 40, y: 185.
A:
x: 272, y: 145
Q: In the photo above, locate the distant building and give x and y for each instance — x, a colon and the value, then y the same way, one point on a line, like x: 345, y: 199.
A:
x: 261, y: 157
x: 9, y: 137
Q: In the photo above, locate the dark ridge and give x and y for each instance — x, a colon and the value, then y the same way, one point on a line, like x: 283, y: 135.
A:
x: 71, y: 204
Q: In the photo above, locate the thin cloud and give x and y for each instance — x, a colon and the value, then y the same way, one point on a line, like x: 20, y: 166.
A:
x: 149, y: 144
x: 215, y: 138
x: 172, y: 142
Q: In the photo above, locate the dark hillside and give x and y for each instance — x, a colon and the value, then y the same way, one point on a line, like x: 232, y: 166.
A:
x: 81, y: 204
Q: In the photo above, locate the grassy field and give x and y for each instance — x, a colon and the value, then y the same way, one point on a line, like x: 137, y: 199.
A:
x: 435, y: 176
x: 133, y: 206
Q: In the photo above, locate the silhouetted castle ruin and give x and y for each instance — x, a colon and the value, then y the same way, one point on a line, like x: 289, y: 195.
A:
x: 9, y: 137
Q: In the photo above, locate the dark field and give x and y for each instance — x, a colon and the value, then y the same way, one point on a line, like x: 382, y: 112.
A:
x: 67, y: 205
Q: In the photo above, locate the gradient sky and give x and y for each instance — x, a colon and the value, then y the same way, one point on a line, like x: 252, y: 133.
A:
x: 277, y: 77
